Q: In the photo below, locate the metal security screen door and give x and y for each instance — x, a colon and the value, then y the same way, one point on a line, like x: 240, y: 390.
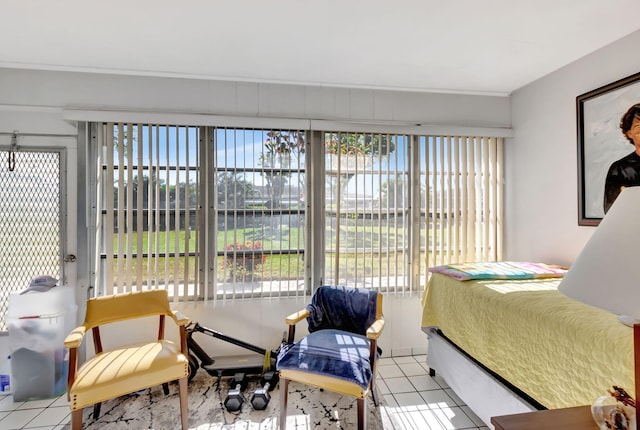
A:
x: 30, y: 220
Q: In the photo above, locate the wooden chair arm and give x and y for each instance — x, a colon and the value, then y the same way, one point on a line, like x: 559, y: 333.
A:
x: 375, y: 330
x: 74, y: 339
x: 292, y: 320
x: 179, y: 318
x: 296, y: 317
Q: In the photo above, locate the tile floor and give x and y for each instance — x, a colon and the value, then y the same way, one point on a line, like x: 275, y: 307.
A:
x: 419, y: 401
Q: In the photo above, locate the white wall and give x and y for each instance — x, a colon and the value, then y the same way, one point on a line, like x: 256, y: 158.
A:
x: 33, y: 102
x: 541, y: 190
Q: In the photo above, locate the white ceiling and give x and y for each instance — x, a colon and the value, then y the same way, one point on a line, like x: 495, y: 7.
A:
x: 458, y: 46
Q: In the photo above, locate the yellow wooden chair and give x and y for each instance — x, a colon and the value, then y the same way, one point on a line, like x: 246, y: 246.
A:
x: 340, y: 352
x: 126, y: 369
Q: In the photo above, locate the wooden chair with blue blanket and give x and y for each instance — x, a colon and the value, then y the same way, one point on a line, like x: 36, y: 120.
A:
x: 339, y: 354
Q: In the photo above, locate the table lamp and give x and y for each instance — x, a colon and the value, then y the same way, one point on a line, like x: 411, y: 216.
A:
x: 606, y: 273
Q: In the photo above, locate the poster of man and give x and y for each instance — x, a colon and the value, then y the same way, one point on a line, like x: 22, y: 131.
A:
x: 625, y: 172
x: 605, y: 150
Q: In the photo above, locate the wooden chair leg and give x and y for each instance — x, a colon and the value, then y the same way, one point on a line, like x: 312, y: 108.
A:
x: 76, y: 419
x: 374, y: 392
x: 96, y: 410
x: 284, y: 396
x: 362, y: 414
x: 184, y: 412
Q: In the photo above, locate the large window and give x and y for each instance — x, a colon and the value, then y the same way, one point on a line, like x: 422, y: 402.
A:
x: 201, y: 212
x: 367, y: 216
x: 461, y: 199
x: 147, y: 205
x: 228, y: 213
x: 399, y: 204
x: 259, y: 181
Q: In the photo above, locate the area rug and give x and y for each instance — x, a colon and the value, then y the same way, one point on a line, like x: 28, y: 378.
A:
x: 308, y: 408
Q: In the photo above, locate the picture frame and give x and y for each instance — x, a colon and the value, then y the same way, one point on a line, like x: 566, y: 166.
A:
x: 601, y: 141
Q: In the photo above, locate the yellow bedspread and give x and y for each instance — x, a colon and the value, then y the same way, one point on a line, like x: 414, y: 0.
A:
x: 558, y: 351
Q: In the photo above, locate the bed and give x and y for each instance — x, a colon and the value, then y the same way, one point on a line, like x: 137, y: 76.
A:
x: 514, y: 345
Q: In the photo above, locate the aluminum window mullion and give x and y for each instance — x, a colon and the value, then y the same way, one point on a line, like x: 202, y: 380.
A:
x: 398, y: 241
x: 456, y: 202
x: 139, y: 211
x: 449, y: 198
x: 499, y: 197
x: 415, y: 217
x: 167, y: 208
x: 156, y: 232
x: 187, y: 219
x: 100, y: 218
x: 176, y: 225
x: 466, y: 181
x: 486, y: 200
x: 128, y: 210
x: 121, y: 215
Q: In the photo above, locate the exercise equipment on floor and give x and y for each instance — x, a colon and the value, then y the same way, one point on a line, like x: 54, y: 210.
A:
x: 260, y: 364
x: 261, y: 397
x: 234, y: 400
x: 250, y: 364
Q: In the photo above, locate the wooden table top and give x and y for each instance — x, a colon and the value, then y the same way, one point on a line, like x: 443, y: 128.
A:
x: 577, y: 418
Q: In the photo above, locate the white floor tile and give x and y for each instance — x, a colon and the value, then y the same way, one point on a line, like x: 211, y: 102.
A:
x: 383, y: 388
x: 399, y: 385
x: 61, y: 401
x: 453, y: 418
x: 416, y: 417
x: 18, y: 419
x: 476, y: 420
x: 412, y: 398
x: 390, y: 401
x: 7, y: 403
x: 50, y: 417
x: 412, y: 369
x: 41, y: 428
x: 35, y: 404
x: 386, y: 361
x: 437, y: 399
x: 424, y: 383
x: 391, y: 371
x: 454, y: 396
x: 440, y: 380
x: 405, y: 359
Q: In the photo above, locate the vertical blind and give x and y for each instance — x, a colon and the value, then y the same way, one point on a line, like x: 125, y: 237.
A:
x: 223, y: 213
x: 259, y: 178
x: 375, y: 184
x: 148, y: 180
x: 367, y: 210
x: 463, y: 202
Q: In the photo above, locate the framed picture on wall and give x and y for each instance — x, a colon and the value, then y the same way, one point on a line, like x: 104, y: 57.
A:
x: 601, y: 143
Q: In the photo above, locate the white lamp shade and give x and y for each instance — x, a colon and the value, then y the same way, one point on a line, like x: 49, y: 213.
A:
x: 606, y: 273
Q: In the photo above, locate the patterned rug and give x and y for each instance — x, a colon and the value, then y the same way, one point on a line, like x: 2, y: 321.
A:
x: 308, y: 408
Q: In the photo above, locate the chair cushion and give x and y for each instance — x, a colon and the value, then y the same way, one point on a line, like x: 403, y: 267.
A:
x: 332, y: 353
x: 125, y: 370
x: 342, y: 308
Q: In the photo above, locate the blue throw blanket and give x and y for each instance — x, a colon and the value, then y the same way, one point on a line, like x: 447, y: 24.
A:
x: 342, y: 308
x: 327, y: 350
